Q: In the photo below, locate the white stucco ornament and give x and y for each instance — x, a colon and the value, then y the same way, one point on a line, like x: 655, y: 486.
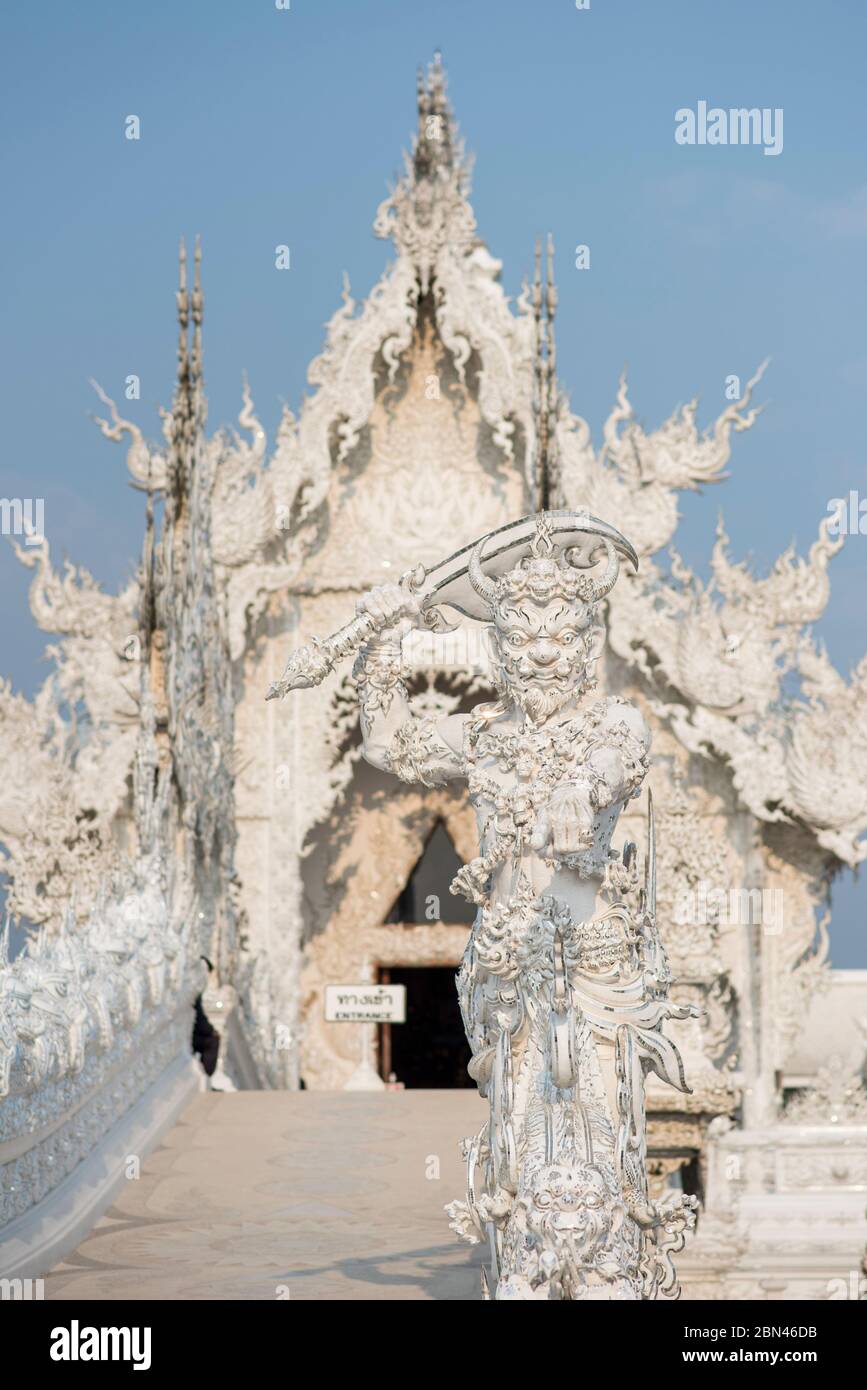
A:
x: 564, y: 983
x: 437, y: 414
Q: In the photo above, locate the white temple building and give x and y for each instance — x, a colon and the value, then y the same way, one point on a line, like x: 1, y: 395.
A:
x: 155, y: 809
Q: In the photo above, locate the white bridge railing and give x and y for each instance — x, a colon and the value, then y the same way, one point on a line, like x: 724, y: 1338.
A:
x: 95, y: 1065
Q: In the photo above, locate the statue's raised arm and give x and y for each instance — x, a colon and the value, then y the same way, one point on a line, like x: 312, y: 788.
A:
x: 415, y: 748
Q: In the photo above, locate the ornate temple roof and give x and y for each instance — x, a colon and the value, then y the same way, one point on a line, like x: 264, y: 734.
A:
x: 730, y: 666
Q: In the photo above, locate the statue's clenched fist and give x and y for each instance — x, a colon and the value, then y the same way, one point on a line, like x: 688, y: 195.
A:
x: 394, y: 611
x: 565, y: 825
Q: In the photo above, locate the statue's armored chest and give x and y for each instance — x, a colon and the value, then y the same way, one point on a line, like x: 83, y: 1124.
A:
x: 528, y: 763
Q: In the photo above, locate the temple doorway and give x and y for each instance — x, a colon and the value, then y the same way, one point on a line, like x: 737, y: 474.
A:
x: 426, y: 897
x: 430, y: 1050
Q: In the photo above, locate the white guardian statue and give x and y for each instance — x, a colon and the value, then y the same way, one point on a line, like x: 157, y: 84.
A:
x: 564, y: 984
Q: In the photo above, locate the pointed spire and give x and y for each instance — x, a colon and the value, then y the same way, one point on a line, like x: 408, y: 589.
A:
x: 189, y: 409
x: 434, y: 146
x: 197, y: 305
x: 428, y: 209
x: 183, y: 303
x: 546, y: 392
x: 181, y: 404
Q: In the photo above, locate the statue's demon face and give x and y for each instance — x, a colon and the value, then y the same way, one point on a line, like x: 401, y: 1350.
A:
x: 570, y: 1211
x: 544, y: 651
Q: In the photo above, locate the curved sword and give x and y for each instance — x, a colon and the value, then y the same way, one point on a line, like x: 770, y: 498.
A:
x: 448, y: 583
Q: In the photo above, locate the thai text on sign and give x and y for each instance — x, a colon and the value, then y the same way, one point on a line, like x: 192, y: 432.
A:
x: 365, y: 1004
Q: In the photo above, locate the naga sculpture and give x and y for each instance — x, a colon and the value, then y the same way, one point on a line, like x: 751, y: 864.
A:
x: 563, y: 987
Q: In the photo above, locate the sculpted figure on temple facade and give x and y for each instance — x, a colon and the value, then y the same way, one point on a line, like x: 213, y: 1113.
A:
x: 563, y: 987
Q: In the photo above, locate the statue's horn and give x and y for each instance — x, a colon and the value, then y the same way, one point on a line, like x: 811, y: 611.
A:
x: 484, y: 587
x: 592, y: 590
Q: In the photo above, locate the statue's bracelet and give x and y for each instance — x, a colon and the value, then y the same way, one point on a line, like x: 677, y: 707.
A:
x: 377, y: 647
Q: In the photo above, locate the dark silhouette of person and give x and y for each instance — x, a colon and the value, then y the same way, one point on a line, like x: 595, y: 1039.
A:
x: 206, y: 1039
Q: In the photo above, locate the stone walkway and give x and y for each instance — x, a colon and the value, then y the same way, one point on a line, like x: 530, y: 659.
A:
x: 299, y: 1195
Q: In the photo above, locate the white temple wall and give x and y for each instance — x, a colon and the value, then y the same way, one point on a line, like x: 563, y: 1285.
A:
x: 424, y: 478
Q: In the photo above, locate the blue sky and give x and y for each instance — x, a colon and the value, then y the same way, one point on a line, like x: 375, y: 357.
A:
x: 262, y: 126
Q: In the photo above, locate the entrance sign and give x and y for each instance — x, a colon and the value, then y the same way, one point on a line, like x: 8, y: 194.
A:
x: 365, y: 1003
